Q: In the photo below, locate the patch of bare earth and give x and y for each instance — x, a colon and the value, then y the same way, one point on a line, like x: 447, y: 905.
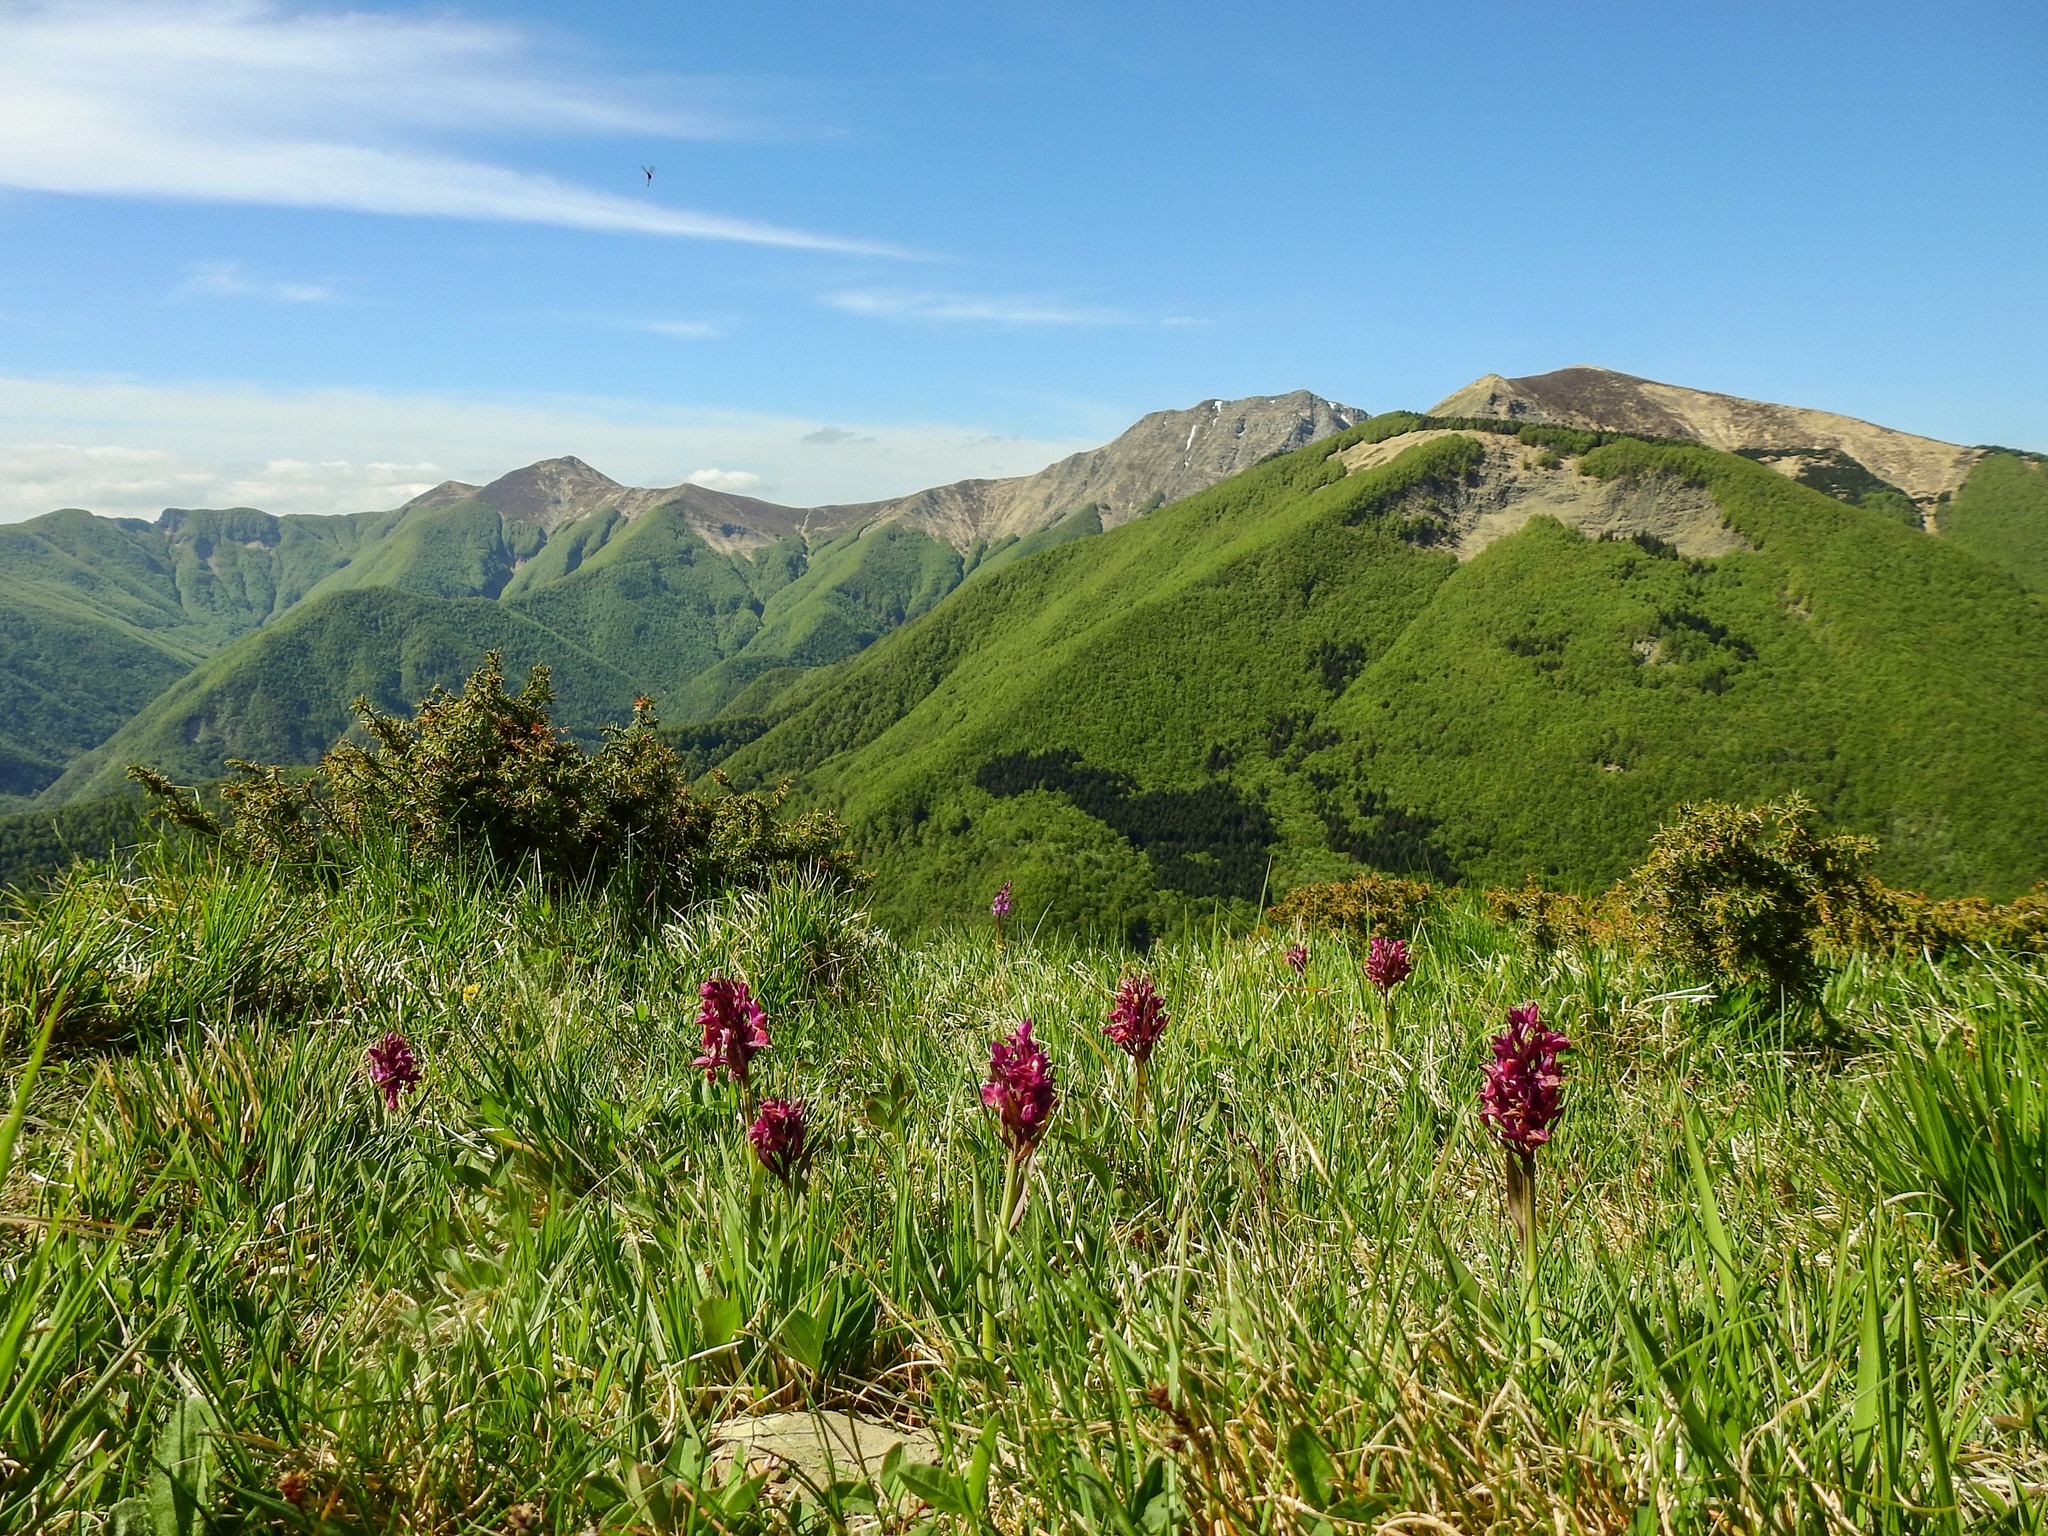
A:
x: 1513, y: 485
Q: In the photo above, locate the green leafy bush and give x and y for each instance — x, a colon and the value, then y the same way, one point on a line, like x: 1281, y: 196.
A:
x: 485, y: 770
x: 1560, y: 439
x: 1745, y: 894
x: 1887, y: 921
x: 1550, y: 919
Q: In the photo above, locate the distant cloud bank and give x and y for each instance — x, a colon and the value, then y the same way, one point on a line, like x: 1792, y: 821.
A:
x: 129, y: 449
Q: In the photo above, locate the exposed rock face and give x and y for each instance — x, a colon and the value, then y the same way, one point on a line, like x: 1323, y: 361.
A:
x: 1167, y: 455
x: 1510, y: 488
x: 1598, y: 398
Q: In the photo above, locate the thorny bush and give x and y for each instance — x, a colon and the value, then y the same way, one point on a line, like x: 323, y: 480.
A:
x: 486, y: 769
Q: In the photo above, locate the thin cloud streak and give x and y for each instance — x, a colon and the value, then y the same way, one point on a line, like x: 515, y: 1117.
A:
x: 941, y: 308
x: 227, y: 280
x: 239, y: 102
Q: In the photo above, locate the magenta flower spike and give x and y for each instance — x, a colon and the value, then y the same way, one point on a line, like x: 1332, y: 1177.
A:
x: 1519, y: 1103
x: 1297, y: 958
x: 1020, y: 1090
x: 778, y: 1137
x: 393, y: 1067
x: 1136, y: 1020
x: 734, y: 1029
x: 1520, y: 1100
x: 1387, y: 964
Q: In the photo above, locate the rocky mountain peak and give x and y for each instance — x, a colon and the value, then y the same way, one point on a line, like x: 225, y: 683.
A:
x: 1163, y: 457
x: 551, y: 492
x: 1788, y: 436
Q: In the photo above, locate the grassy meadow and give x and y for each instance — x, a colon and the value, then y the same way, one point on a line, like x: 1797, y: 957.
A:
x: 1787, y: 1275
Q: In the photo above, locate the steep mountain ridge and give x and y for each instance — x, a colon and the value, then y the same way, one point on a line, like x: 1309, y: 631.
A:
x: 1165, y: 456
x: 99, y: 615
x: 1507, y: 482
x: 1793, y: 438
x: 1162, y: 457
x: 168, y: 642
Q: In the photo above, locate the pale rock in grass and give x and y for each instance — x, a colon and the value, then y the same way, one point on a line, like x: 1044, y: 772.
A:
x: 819, y: 1449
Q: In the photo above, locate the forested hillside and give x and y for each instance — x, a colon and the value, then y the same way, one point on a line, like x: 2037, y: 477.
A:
x: 2001, y: 513
x: 99, y: 615
x: 1295, y: 673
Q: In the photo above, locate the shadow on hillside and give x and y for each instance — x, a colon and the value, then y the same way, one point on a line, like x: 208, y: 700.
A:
x: 1210, y: 841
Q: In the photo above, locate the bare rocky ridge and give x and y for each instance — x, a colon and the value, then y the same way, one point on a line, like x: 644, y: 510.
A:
x: 1167, y: 455
x: 1598, y: 398
x: 1512, y: 486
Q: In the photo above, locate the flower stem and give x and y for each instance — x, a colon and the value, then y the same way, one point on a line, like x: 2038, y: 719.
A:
x: 999, y: 1245
x: 1522, y: 1209
x: 1138, y: 1092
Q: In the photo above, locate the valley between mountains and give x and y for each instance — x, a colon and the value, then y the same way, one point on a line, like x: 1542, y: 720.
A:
x: 1246, y: 645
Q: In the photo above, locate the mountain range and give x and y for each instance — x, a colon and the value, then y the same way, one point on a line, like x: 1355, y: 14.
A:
x: 213, y: 634
x: 1245, y: 645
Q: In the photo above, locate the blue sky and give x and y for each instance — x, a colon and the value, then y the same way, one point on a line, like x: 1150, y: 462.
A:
x: 312, y: 259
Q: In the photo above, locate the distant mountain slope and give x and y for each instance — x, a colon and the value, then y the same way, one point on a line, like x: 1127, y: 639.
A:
x: 1600, y: 398
x: 1295, y: 673
x: 2001, y: 514
x: 281, y: 694
x: 99, y: 615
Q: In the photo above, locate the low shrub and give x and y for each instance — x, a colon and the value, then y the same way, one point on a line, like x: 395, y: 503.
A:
x: 1745, y: 895
x: 1551, y: 919
x: 1888, y: 922
x: 1359, y: 908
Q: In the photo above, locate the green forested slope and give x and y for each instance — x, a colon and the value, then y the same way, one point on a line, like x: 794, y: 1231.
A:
x: 282, y: 693
x: 98, y: 619
x: 463, y: 550
x: 1283, y: 669
x: 99, y: 615
x: 2001, y: 513
x: 848, y: 594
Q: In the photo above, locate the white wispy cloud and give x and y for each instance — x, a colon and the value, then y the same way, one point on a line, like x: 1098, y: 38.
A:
x: 130, y: 449
x: 242, y: 101
x: 680, y: 330
x: 226, y: 279
x: 950, y: 308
